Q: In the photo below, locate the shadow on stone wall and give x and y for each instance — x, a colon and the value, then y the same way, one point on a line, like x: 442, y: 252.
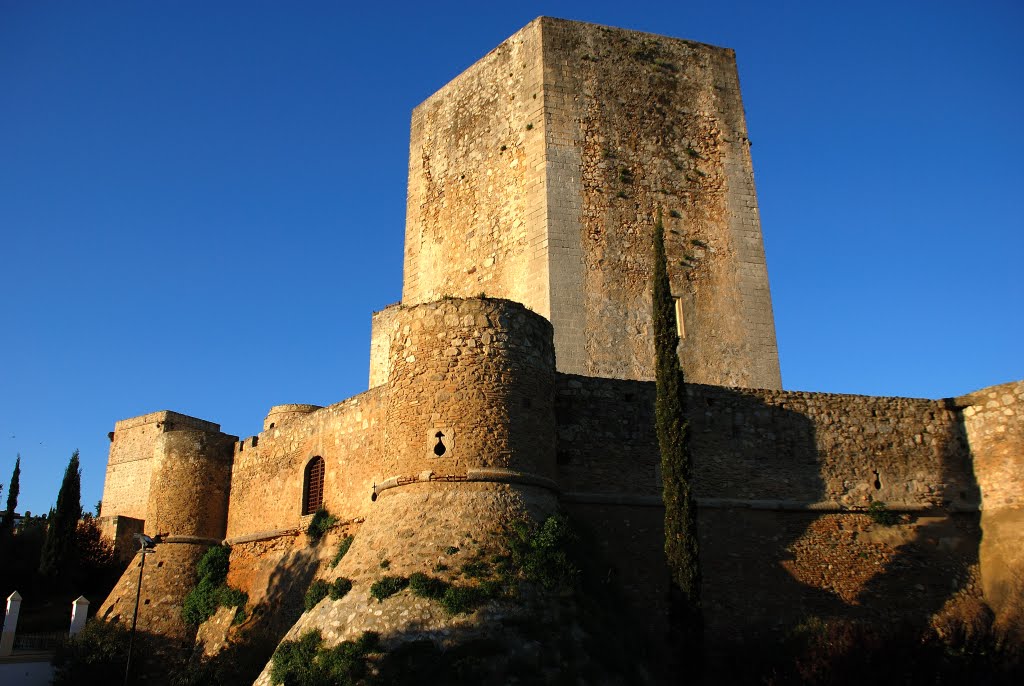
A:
x: 776, y: 473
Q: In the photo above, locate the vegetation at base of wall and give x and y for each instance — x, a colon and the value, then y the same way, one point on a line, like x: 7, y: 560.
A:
x: 882, y: 515
x: 97, y: 655
x: 543, y: 553
x: 455, y: 599
x: 320, y: 524
x: 387, y: 586
x: 343, y: 547
x: 211, y: 590
x: 681, y: 545
x: 307, y: 662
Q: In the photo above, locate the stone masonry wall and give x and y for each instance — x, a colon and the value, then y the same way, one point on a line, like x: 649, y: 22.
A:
x: 995, y: 431
x: 781, y: 448
x: 637, y: 124
x: 191, y: 477
x: 382, y: 330
x: 471, y: 386
x: 474, y: 222
x: 267, y: 478
x: 126, y: 487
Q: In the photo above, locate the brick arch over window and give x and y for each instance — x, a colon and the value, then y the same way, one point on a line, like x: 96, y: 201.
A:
x: 313, y: 486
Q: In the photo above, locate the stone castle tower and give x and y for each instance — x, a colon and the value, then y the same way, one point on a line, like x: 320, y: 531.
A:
x: 514, y: 380
x: 536, y: 174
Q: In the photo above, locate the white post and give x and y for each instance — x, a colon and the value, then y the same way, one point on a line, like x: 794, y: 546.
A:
x: 10, y: 624
x: 79, y: 611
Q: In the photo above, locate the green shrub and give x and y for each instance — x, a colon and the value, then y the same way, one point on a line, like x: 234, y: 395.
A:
x: 541, y: 553
x: 460, y: 599
x: 451, y: 550
x: 306, y: 662
x: 316, y: 592
x: 427, y: 586
x: 97, y: 655
x: 880, y: 514
x: 340, y: 588
x: 214, y: 564
x: 211, y: 591
x: 476, y: 569
x: 320, y: 524
x: 387, y: 586
x: 343, y: 547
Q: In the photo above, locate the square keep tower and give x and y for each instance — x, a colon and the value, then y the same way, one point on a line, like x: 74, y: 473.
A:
x: 538, y: 173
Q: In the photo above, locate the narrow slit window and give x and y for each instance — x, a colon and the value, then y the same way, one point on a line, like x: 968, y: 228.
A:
x: 313, y: 486
x: 680, y: 325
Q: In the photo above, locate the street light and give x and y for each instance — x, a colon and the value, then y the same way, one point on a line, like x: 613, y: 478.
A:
x: 146, y: 546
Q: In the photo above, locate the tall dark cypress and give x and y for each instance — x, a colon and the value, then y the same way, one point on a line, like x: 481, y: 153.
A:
x: 58, y: 556
x: 13, y: 488
x: 686, y: 621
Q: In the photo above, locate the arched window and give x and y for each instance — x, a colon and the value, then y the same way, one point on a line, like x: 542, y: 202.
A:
x: 313, y: 486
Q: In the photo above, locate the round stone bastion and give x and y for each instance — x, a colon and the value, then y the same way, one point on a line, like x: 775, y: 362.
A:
x: 471, y: 387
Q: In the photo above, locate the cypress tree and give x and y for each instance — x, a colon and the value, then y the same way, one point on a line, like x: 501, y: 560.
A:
x: 12, y: 499
x: 58, y: 554
x: 686, y: 621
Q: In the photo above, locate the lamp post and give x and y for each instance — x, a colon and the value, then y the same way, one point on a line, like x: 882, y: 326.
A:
x: 146, y: 545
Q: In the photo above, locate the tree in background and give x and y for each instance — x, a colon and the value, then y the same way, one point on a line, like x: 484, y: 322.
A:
x: 686, y: 621
x: 59, y: 549
x: 7, y: 526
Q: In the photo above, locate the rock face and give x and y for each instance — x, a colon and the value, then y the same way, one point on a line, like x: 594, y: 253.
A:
x: 513, y: 381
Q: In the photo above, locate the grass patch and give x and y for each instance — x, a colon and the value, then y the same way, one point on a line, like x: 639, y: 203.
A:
x: 427, y: 586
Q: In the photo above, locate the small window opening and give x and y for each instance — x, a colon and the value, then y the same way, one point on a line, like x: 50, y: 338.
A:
x: 440, y: 448
x: 680, y: 324
x: 271, y: 425
x: 313, y: 486
x: 878, y: 480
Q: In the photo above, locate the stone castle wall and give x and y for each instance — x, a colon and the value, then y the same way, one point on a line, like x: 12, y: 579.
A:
x: 476, y: 203
x: 533, y: 178
x: 266, y: 480
x: 191, y: 482
x: 471, y: 386
x: 637, y: 124
x: 126, y: 486
x: 779, y: 449
x: 995, y: 432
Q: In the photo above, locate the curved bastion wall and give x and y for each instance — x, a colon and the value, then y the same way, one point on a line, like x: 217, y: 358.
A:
x: 190, y: 485
x: 470, y: 386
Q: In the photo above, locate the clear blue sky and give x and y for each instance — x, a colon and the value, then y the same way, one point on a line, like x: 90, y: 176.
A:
x: 202, y: 202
